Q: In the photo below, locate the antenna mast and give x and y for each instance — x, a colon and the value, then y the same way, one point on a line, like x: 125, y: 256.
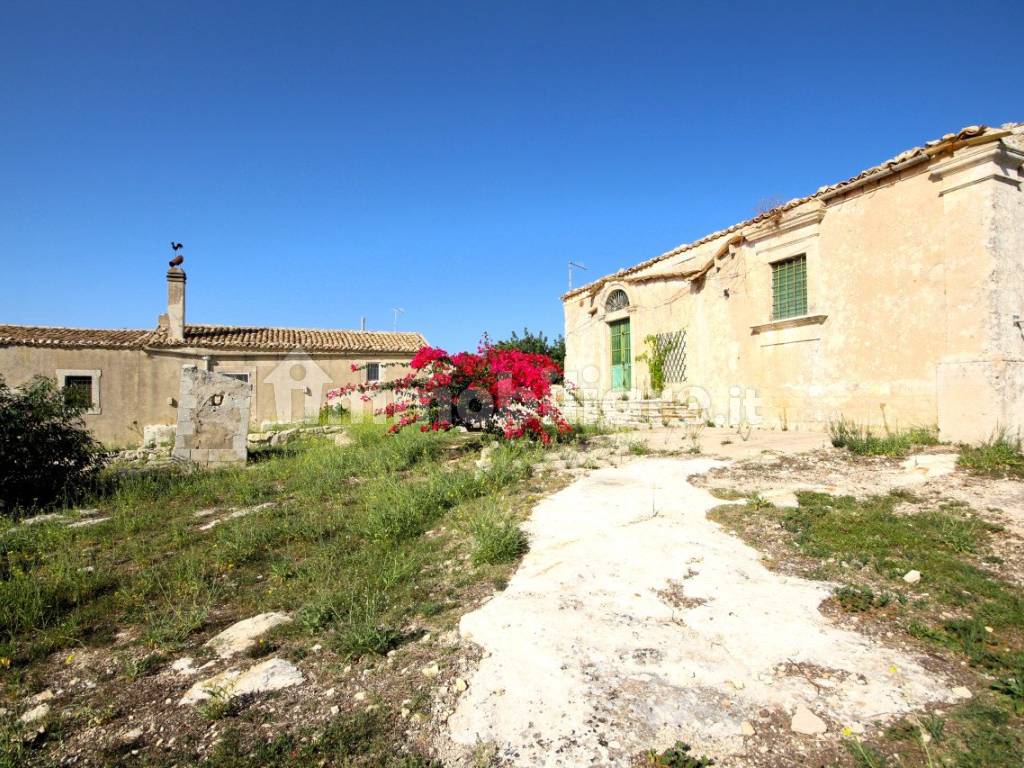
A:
x: 571, y: 265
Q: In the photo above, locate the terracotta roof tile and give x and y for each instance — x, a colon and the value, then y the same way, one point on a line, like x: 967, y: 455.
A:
x: 284, y: 339
x: 948, y: 142
x: 45, y: 336
x: 216, y: 336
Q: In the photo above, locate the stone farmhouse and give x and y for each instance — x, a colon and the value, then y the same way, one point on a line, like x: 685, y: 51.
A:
x: 132, y: 377
x: 892, y: 298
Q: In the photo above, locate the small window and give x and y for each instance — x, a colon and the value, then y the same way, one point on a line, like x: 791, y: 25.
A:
x: 789, y: 288
x: 240, y: 376
x: 85, y: 386
x: 616, y: 300
x: 373, y: 371
x: 80, y: 387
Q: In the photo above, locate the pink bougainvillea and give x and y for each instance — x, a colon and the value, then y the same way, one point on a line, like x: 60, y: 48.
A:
x: 500, y: 390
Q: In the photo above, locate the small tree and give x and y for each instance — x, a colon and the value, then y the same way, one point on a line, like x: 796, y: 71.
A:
x: 534, y: 343
x: 46, y: 454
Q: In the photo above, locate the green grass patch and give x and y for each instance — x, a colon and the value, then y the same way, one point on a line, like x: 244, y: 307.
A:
x: 366, y: 740
x: 868, y: 546
x: 497, y: 536
x: 1000, y: 456
x: 866, y: 441
x: 342, y: 545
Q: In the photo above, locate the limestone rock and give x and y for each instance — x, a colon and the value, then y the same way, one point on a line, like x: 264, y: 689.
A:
x: 747, y: 729
x: 806, y: 722
x: 962, y: 692
x: 270, y: 675
x: 342, y: 439
x: 921, y: 468
x: 781, y: 497
x: 88, y: 522
x: 35, y: 714
x: 431, y: 670
x: 912, y: 577
x: 242, y: 635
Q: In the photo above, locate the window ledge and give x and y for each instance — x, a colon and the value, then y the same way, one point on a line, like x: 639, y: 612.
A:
x: 788, y: 322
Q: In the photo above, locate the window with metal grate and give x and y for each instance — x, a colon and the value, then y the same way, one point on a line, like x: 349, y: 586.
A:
x: 789, y: 288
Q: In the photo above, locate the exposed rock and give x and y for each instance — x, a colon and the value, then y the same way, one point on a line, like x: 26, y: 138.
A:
x: 431, y: 670
x: 234, y: 513
x: 88, y: 521
x: 47, y: 518
x: 912, y: 577
x: 35, y: 714
x: 184, y: 666
x: 284, y: 437
x: 243, y: 635
x: 806, y: 722
x: 342, y: 439
x: 781, y: 497
x: 270, y: 675
x: 923, y: 467
x: 747, y: 729
x: 155, y: 435
x: 962, y: 692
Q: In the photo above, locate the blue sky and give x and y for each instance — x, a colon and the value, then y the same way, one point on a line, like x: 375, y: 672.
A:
x: 327, y: 161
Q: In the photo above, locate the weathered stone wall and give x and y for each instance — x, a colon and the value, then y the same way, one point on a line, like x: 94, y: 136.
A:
x: 139, y: 389
x: 213, y: 418
x: 904, y: 277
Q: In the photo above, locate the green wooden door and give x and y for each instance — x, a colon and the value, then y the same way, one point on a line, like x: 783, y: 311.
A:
x: 622, y: 355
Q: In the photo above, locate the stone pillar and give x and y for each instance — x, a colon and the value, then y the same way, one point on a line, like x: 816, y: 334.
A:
x: 176, y: 303
x: 213, y: 418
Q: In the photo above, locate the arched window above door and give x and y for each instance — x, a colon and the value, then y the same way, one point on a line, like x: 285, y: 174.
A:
x: 616, y: 300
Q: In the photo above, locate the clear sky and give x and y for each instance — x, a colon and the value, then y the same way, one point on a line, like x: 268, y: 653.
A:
x: 328, y: 161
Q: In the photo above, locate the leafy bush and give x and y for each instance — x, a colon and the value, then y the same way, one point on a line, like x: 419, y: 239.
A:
x: 535, y: 343
x: 503, y: 391
x: 48, y: 456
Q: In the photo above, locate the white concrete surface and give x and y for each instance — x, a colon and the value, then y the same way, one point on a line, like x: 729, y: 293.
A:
x: 588, y: 661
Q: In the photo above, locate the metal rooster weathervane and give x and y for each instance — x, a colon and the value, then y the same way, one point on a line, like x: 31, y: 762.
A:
x: 178, y: 257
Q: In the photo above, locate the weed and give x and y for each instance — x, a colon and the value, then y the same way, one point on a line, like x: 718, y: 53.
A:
x: 865, y: 756
x: 366, y: 740
x: 862, y: 439
x: 219, y: 706
x: 678, y: 756
x: 497, y: 538
x: 859, y: 599
x: 1001, y: 455
x: 1013, y: 687
x: 638, y: 447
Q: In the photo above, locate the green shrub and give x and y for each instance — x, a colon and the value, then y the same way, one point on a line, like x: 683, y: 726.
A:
x: 48, y: 456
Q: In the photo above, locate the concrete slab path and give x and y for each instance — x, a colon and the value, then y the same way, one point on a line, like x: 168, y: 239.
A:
x: 634, y: 621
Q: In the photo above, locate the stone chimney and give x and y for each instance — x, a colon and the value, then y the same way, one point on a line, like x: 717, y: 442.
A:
x: 175, y: 304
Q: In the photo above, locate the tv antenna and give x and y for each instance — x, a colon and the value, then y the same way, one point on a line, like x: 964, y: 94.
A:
x: 571, y: 265
x: 398, y: 311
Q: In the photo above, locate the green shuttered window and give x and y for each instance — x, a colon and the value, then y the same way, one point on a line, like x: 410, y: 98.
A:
x: 789, y: 288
